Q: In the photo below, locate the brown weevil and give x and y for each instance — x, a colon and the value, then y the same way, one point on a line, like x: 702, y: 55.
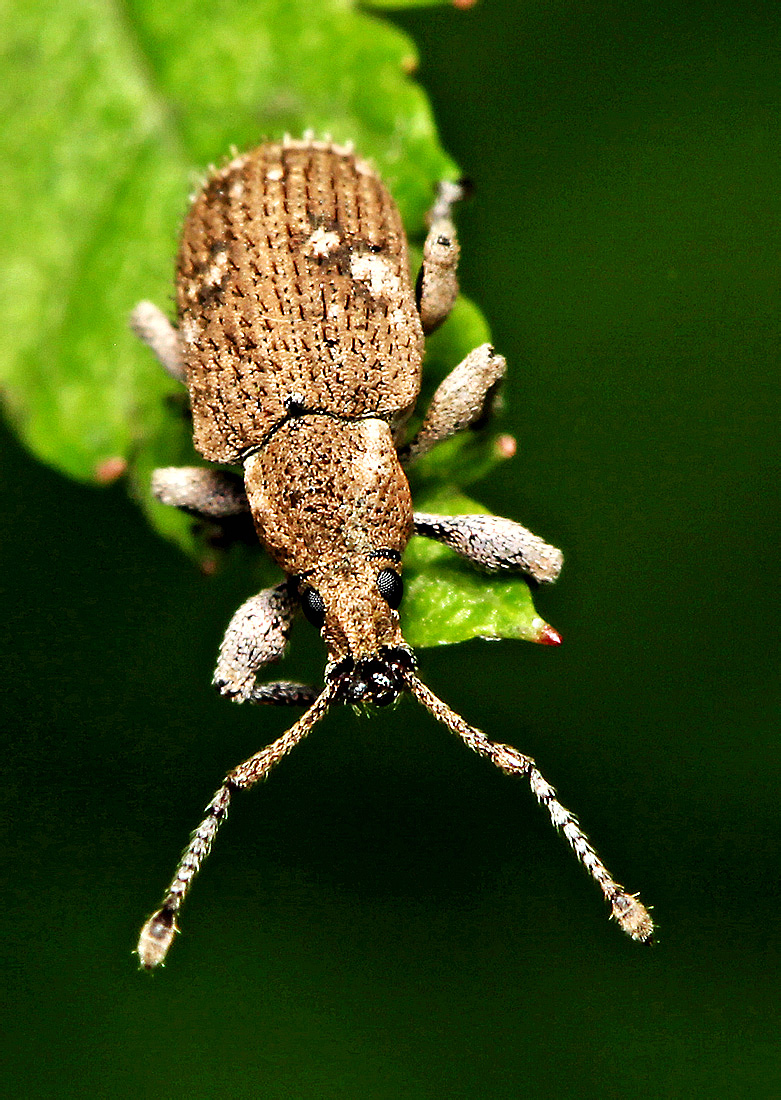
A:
x: 300, y: 338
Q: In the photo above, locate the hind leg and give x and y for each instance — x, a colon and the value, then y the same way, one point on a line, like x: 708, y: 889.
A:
x: 437, y: 286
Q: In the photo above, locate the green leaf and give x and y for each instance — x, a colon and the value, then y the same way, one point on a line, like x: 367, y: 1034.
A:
x: 111, y: 114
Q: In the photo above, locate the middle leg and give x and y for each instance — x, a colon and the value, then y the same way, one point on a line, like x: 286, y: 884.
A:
x: 463, y: 398
x: 212, y: 494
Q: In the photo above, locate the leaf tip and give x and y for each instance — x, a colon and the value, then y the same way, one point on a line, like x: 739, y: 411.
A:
x: 109, y: 470
x: 505, y: 446
x: 545, y: 634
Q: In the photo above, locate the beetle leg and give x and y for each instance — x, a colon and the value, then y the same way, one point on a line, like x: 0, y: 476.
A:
x: 214, y: 494
x: 257, y: 635
x: 152, y: 326
x: 158, y: 932
x: 461, y: 399
x: 282, y: 693
x: 437, y: 285
x: 493, y: 542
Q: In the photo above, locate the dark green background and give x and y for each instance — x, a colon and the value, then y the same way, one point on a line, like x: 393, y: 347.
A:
x: 389, y: 917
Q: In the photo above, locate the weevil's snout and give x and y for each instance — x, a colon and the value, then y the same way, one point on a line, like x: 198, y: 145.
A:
x: 354, y: 604
x: 376, y: 680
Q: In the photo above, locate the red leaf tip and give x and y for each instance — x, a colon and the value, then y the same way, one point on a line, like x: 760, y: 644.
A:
x: 547, y: 635
x: 505, y: 446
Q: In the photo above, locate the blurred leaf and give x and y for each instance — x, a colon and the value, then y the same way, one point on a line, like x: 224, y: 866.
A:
x: 399, y: 5
x: 110, y: 115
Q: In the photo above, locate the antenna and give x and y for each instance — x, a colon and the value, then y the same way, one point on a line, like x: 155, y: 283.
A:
x: 630, y: 913
x: 158, y: 932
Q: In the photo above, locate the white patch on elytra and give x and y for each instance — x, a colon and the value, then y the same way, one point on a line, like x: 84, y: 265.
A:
x: 397, y: 318
x: 275, y: 174
x: 235, y: 164
x: 321, y: 243
x: 190, y: 331
x: 218, y: 270
x: 378, y: 275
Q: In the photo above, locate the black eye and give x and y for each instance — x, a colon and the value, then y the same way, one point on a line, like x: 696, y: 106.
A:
x: 391, y: 587
x: 313, y: 606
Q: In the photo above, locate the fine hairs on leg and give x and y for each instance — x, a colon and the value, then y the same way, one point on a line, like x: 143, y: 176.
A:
x: 630, y: 913
x: 158, y: 932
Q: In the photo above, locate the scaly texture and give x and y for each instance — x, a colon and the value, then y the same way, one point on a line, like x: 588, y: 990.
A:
x: 322, y: 489
x: 293, y: 290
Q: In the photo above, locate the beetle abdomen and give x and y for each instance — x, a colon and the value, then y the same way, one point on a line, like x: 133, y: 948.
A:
x: 294, y: 295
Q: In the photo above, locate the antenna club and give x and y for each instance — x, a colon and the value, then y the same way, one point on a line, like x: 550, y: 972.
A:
x: 633, y: 917
x: 156, y: 937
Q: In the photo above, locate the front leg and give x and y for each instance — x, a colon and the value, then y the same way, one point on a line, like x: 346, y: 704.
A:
x: 494, y: 543
x: 257, y: 635
x: 461, y: 399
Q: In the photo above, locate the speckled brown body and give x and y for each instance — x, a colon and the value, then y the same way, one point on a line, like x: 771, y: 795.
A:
x: 302, y: 345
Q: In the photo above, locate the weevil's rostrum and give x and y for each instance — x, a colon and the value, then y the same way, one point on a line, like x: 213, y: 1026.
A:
x: 332, y: 506
x: 300, y: 339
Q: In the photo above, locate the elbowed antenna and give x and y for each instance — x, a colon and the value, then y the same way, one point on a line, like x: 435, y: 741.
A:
x: 630, y: 913
x: 158, y: 932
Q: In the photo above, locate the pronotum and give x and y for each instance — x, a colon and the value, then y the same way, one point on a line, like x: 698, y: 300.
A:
x: 300, y: 338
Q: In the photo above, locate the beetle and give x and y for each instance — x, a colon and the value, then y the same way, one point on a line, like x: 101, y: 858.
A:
x: 300, y: 339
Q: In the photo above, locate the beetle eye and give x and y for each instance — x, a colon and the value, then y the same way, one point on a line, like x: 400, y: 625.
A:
x: 313, y: 606
x: 391, y: 587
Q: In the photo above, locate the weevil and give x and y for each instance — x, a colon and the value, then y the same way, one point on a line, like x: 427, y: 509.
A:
x: 300, y: 339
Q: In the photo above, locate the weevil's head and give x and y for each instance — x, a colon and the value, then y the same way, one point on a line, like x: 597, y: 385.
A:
x: 354, y: 604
